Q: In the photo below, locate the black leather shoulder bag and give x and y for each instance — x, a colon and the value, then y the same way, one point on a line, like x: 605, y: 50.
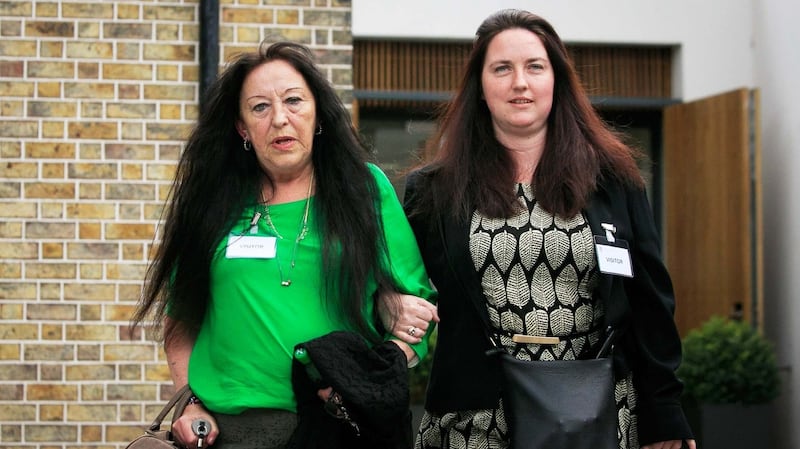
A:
x: 560, y: 404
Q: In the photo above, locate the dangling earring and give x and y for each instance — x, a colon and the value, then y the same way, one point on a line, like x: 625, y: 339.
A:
x: 319, y: 129
x: 247, y: 146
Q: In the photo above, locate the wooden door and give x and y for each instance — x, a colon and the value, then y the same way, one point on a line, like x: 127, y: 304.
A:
x: 712, y: 208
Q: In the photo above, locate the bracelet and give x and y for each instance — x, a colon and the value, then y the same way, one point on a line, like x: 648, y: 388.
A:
x: 193, y: 400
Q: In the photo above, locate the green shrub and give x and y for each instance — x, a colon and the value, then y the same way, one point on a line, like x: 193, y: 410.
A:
x: 727, y: 362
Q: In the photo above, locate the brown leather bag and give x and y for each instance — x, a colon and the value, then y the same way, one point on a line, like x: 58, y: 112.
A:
x: 156, y: 438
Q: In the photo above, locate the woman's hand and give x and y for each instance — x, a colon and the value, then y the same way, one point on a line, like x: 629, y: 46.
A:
x: 413, y: 316
x: 182, y: 427
x: 672, y: 444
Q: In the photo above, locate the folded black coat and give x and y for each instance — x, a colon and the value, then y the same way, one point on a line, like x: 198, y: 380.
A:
x: 373, y: 383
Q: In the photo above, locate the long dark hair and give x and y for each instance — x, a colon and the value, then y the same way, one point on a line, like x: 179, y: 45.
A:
x: 216, y: 179
x: 471, y: 169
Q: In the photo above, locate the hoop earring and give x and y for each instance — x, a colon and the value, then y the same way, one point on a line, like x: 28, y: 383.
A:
x: 319, y: 130
x: 246, y: 144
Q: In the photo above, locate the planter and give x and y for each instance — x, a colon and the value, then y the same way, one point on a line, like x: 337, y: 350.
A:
x: 729, y: 368
x: 731, y: 426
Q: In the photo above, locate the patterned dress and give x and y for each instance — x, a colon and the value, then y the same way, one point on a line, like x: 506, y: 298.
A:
x: 538, y: 273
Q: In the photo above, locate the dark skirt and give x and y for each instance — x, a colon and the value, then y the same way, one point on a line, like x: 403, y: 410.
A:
x: 255, y: 429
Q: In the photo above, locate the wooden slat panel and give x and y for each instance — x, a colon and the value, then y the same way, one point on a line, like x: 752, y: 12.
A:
x: 635, y: 72
x: 410, y: 66
x: 708, y: 206
x: 399, y: 66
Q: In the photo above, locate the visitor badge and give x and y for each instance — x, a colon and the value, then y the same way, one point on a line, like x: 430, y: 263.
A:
x: 613, y: 255
x: 251, y: 247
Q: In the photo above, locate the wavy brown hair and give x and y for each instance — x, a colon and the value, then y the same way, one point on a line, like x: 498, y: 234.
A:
x: 471, y: 169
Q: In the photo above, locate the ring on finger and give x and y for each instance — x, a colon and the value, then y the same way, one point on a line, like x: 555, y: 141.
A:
x: 412, y: 330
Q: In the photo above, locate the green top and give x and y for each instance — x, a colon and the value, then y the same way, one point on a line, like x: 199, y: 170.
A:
x: 243, y: 354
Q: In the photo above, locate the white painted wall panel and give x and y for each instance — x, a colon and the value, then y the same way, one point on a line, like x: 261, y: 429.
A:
x: 777, y: 71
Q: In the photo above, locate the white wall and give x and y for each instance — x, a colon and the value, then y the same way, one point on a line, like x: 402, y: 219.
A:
x: 777, y: 69
x: 723, y: 45
x: 715, y: 36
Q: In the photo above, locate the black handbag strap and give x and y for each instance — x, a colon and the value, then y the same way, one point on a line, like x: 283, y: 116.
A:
x: 178, y: 401
x: 608, y: 344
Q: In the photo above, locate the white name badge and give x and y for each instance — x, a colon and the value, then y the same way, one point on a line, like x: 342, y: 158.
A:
x: 251, y: 247
x: 613, y: 258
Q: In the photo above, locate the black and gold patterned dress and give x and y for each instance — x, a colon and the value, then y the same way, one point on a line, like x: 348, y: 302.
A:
x: 538, y: 273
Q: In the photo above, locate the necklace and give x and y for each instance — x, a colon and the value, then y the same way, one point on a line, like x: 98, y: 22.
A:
x: 301, y: 234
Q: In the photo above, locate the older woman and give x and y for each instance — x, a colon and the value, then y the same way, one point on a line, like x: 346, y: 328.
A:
x: 275, y: 235
x: 525, y: 174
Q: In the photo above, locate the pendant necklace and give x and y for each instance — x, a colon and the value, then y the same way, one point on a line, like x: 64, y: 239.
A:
x: 301, y: 234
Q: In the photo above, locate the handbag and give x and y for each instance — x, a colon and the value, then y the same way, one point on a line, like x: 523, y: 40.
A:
x: 560, y: 404
x: 156, y: 438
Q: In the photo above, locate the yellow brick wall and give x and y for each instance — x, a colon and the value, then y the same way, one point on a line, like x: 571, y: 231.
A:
x: 96, y: 98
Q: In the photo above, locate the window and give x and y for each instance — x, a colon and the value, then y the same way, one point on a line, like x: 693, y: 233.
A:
x: 396, y: 138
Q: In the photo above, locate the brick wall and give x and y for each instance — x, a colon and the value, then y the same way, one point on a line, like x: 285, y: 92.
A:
x: 96, y: 98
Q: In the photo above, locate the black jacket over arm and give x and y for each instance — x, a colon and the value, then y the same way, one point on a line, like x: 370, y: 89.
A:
x: 463, y: 377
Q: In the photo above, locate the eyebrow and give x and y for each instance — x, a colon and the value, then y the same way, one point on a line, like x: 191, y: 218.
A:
x: 508, y: 61
x: 288, y: 90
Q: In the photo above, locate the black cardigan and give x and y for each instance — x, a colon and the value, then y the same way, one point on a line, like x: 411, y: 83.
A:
x: 464, y: 378
x: 373, y: 384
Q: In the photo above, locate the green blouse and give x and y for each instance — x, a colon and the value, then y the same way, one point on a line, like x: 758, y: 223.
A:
x: 243, y: 354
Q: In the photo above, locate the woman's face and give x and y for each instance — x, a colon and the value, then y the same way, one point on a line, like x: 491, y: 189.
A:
x: 517, y: 82
x: 277, y: 114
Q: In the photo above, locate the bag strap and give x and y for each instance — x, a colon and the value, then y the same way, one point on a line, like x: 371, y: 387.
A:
x: 178, y: 401
x: 608, y: 344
